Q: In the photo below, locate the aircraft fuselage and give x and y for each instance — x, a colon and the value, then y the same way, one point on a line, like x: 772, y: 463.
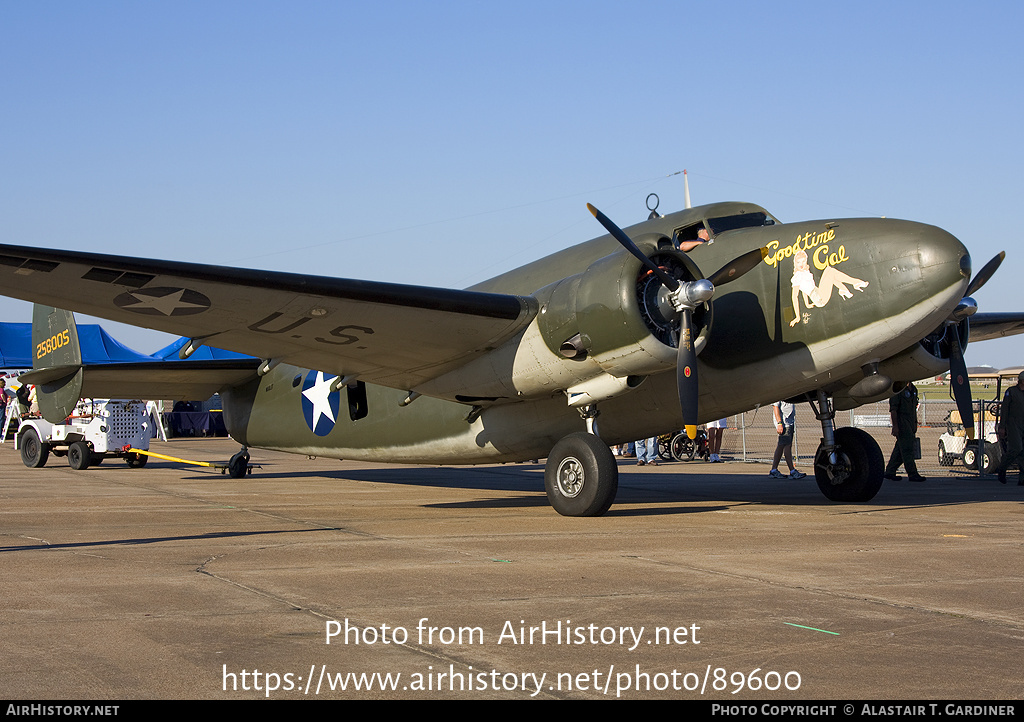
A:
x: 829, y: 298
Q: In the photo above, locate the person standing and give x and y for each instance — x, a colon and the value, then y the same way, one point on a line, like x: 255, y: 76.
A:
x: 785, y: 425
x: 1011, y: 430
x: 903, y: 415
x: 716, y: 429
x: 647, y: 452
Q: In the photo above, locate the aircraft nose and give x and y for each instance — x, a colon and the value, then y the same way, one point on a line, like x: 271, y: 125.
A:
x: 941, y: 248
x: 920, y: 260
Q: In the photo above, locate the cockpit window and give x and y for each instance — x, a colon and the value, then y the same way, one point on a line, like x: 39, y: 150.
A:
x: 743, y: 220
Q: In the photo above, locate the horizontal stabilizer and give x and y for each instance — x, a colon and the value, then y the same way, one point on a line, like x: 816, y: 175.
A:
x: 177, y: 380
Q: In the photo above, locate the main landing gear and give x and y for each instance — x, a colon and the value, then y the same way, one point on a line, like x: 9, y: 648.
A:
x: 581, y: 477
x: 848, y: 465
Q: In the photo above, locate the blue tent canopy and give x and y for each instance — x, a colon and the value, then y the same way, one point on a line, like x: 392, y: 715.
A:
x: 15, y: 345
x: 98, y: 347
x: 205, y: 353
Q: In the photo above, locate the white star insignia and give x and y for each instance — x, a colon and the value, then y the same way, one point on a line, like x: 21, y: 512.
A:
x: 166, y: 304
x: 319, y: 395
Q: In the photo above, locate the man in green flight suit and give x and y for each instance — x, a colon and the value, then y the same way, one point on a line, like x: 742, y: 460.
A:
x: 903, y: 413
x: 1011, y: 429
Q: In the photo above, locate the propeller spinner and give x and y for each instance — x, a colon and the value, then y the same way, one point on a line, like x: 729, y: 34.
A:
x: 685, y: 297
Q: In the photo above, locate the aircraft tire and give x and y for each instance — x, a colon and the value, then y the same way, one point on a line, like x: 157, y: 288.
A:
x: 581, y: 477
x: 858, y: 477
x: 79, y: 455
x: 239, y: 464
x: 33, y: 451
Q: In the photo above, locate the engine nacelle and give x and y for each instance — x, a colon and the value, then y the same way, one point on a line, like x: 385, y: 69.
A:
x: 617, y: 315
x: 601, y: 388
x: 594, y: 330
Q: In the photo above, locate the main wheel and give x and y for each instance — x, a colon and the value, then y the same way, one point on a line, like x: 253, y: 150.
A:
x: 33, y: 451
x: 683, y: 447
x: 581, y: 477
x: 78, y: 455
x: 857, y: 475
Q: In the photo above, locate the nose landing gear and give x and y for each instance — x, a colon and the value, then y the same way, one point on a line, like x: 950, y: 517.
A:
x: 848, y: 465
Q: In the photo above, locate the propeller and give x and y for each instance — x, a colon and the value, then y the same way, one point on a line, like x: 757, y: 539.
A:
x: 685, y: 297
x: 982, y: 276
x: 958, y: 380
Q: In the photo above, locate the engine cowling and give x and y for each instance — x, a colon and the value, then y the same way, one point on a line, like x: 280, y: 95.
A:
x: 616, y: 315
x: 939, y: 343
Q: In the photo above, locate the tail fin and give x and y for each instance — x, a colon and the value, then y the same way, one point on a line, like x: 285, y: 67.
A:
x: 58, y: 355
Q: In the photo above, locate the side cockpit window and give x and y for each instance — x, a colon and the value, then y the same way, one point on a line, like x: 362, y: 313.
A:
x: 689, y: 233
x: 689, y: 237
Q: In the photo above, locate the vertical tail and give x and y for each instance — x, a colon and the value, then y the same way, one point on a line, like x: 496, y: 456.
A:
x: 57, y: 353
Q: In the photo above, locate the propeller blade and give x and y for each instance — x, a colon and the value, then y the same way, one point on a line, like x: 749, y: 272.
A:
x: 982, y: 276
x: 738, y: 266
x: 619, y: 235
x: 686, y: 374
x: 960, y: 384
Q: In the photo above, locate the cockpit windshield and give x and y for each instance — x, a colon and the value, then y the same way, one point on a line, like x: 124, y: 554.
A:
x: 743, y: 220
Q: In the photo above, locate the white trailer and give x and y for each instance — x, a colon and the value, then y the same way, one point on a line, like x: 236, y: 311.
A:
x: 99, y: 428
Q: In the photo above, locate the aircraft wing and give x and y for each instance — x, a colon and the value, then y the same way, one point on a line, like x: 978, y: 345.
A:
x: 385, y: 333
x: 985, y: 326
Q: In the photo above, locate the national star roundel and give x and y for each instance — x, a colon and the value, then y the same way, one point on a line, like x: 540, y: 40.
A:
x: 163, y: 301
x: 319, y: 404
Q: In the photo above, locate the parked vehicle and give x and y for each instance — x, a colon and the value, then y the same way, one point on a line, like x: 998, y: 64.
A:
x: 954, y: 445
x: 99, y: 428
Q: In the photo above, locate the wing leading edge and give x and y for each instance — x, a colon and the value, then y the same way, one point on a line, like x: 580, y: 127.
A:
x: 391, y: 334
x: 986, y: 326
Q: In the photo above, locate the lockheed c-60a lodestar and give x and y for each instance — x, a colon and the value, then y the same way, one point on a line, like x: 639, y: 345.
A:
x: 672, y: 322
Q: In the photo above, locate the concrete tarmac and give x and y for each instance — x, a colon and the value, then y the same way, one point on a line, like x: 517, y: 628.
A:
x: 703, y: 580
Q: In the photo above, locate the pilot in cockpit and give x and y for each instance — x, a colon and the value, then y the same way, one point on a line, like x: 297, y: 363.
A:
x: 702, y: 237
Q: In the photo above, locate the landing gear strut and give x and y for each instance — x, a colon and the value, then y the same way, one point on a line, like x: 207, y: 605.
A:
x: 848, y: 465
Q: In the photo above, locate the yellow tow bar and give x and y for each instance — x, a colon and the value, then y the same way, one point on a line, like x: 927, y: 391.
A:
x: 224, y: 468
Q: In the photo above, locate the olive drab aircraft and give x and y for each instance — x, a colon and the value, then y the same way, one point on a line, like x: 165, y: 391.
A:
x: 678, y: 320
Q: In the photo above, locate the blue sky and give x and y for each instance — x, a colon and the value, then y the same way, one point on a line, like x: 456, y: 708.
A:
x: 441, y: 143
